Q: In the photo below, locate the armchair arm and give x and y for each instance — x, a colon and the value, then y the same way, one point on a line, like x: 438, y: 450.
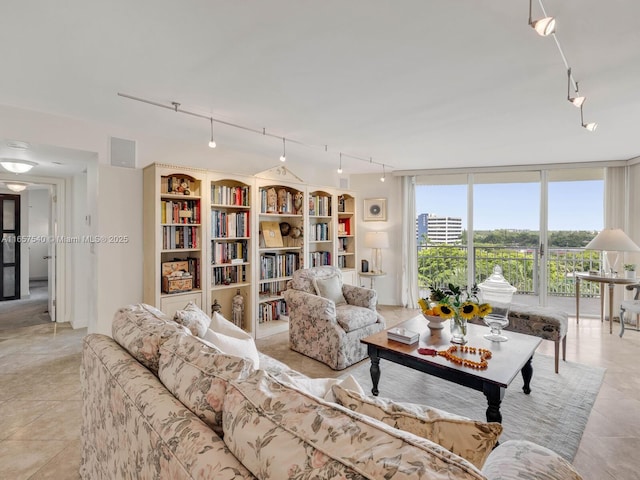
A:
x: 517, y: 459
x: 360, y: 296
x: 303, y: 305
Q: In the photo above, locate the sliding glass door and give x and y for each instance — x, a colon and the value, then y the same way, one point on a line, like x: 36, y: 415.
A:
x: 534, y: 224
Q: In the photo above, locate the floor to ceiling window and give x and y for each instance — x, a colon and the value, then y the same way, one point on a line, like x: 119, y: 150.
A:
x: 534, y: 224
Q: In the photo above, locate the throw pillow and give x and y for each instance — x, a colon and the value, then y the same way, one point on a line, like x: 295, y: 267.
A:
x: 238, y: 347
x: 472, y: 440
x: 319, y: 387
x: 330, y: 288
x: 222, y: 325
x: 193, y: 318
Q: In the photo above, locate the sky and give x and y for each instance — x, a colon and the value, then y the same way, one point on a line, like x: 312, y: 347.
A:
x: 572, y: 205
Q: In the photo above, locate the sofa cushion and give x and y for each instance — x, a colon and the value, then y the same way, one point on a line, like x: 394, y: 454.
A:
x: 279, y: 432
x: 470, y: 439
x: 197, y: 374
x: 330, y: 288
x: 319, y: 387
x: 351, y: 318
x: 141, y: 329
x: 192, y: 317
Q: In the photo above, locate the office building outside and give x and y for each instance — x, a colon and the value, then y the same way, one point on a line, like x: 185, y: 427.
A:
x: 442, y: 230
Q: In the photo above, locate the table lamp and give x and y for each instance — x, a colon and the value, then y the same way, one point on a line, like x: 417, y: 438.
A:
x: 376, y: 241
x: 612, y: 241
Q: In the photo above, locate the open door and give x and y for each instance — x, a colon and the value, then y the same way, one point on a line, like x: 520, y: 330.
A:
x: 51, y: 254
x: 10, y: 251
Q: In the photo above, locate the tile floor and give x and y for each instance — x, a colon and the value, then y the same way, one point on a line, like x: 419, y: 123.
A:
x: 40, y: 399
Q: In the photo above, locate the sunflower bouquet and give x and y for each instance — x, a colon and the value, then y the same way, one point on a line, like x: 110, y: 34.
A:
x: 454, y: 301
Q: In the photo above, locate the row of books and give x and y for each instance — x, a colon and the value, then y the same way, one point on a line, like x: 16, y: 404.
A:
x: 229, y: 275
x: 319, y: 232
x: 229, y: 224
x: 319, y: 205
x: 229, y: 252
x: 273, y: 310
x: 342, y: 262
x: 182, y: 211
x: 318, y: 259
x: 179, y: 237
x: 224, y: 195
x: 271, y: 289
x: 344, y: 226
x: 177, y: 185
x: 343, y: 245
x: 276, y: 265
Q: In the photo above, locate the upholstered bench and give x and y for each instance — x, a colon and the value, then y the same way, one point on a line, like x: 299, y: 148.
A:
x: 544, y: 322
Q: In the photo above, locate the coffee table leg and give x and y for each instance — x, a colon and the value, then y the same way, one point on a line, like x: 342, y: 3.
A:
x: 527, y: 373
x: 494, y: 396
x: 375, y: 370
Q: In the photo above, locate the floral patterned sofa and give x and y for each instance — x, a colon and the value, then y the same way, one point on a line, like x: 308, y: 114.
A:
x: 327, y: 319
x: 161, y: 403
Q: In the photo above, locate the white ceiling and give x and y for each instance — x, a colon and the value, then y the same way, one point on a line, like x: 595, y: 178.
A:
x: 412, y: 84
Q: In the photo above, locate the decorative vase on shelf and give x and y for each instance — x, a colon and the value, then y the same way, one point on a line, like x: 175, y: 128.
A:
x: 458, y: 330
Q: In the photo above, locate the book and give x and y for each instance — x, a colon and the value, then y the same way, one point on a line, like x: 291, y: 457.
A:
x: 403, y: 335
x: 271, y: 234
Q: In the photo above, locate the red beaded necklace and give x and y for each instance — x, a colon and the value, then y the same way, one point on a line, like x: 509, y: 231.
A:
x: 449, y: 354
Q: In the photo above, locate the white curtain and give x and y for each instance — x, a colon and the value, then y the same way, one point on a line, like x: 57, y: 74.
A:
x: 409, y: 286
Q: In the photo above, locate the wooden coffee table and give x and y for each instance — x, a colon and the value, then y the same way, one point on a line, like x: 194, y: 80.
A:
x: 508, y: 359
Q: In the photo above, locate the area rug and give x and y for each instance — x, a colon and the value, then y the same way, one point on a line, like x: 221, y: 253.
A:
x: 553, y: 415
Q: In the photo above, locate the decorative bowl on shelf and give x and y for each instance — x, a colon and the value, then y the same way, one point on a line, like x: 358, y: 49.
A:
x: 435, y: 322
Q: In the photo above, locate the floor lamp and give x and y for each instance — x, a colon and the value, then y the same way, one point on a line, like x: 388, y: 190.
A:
x: 612, y: 241
x: 376, y: 241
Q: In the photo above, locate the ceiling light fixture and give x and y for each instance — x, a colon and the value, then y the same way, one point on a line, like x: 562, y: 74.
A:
x: 340, y: 166
x: 14, y: 165
x: 16, y: 186
x: 283, y: 157
x: 578, y: 100
x: 176, y: 107
x: 544, y: 26
x: 212, y: 142
x: 382, y: 178
x: 589, y: 126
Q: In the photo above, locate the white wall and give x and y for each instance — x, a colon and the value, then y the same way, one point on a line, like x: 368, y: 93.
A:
x: 370, y: 186
x: 37, y: 203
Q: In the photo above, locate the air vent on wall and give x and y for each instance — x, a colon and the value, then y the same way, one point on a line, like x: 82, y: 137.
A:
x: 123, y: 152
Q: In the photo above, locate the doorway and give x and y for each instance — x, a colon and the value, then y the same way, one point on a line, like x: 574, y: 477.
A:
x: 10, y: 252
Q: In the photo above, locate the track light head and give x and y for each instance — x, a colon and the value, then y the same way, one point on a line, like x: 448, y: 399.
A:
x: 590, y: 126
x: 544, y: 26
x: 577, y: 101
x: 283, y: 157
x: 212, y: 142
x: 340, y: 165
x: 384, y: 174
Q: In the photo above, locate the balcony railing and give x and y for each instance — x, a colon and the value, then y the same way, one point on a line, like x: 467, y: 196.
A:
x: 443, y: 264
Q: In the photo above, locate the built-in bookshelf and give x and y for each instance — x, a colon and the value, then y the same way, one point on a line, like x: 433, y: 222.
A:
x: 230, y: 254
x: 280, y: 252
x: 320, y: 236
x: 173, y: 237
x: 346, y: 238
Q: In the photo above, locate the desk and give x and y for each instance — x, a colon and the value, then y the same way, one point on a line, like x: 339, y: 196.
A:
x: 611, y: 281
x: 372, y: 277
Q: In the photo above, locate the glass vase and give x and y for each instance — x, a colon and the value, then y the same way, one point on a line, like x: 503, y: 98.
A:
x: 458, y: 330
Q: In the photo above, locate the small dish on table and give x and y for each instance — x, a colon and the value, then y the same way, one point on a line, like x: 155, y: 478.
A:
x: 435, y: 322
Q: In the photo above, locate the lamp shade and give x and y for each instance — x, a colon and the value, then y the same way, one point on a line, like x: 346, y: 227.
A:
x: 376, y: 240
x: 612, y: 240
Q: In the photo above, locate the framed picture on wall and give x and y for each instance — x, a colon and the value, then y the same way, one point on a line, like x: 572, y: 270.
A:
x: 375, y: 210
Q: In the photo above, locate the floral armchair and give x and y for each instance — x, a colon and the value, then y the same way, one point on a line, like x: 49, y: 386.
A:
x: 327, y: 318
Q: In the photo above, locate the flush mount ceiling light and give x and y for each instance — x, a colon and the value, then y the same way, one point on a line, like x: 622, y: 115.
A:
x: 589, y: 126
x: 544, y: 26
x: 14, y: 165
x: 578, y: 100
x: 283, y: 157
x: 16, y: 186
